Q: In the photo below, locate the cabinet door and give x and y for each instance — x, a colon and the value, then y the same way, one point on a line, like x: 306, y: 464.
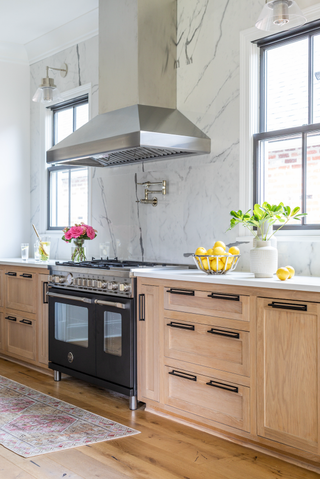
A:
x: 2, y: 331
x: 42, y: 320
x: 148, y: 342
x: 21, y: 292
x: 20, y: 335
x: 2, y: 288
x: 287, y: 373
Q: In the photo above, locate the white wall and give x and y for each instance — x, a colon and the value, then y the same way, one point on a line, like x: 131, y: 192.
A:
x: 14, y: 157
x: 201, y: 190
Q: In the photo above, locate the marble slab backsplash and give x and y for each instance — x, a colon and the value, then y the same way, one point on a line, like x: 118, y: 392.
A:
x: 201, y: 189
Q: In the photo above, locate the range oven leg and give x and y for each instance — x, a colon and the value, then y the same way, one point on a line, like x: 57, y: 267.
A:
x: 133, y: 403
x: 56, y: 375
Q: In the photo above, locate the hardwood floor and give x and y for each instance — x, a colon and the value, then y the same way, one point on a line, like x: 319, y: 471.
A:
x: 163, y: 450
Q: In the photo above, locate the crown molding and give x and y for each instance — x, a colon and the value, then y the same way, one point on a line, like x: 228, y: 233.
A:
x: 78, y: 30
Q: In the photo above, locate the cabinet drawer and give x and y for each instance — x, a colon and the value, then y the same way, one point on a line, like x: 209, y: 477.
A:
x: 21, y: 293
x: 207, y: 397
x: 207, y: 345
x: 20, y: 335
x: 207, y: 302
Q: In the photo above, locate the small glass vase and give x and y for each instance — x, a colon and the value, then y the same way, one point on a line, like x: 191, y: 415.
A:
x: 78, y: 250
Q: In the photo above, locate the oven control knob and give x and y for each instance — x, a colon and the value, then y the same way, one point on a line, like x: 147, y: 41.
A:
x: 58, y: 279
x: 125, y: 287
x: 70, y: 278
x: 103, y: 285
x: 91, y: 283
x: 113, y: 286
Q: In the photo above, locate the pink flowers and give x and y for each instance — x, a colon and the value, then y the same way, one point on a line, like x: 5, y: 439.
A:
x: 81, y: 231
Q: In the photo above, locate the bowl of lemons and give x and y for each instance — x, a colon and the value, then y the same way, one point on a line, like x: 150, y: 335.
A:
x: 217, y: 260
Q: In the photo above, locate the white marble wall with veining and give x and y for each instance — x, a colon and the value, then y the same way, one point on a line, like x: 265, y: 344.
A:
x: 201, y: 189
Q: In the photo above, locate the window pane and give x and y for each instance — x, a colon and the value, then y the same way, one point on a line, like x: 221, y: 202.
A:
x: 313, y: 176
x: 281, y: 171
x: 59, y: 198
x: 316, y: 80
x: 82, y: 115
x: 79, y: 195
x: 63, y: 124
x: 287, y: 85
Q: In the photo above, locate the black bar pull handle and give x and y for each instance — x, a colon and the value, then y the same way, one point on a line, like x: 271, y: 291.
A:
x: 44, y: 292
x: 11, y: 273
x: 26, y: 275
x: 227, y: 387
x: 26, y: 321
x: 221, y: 332
x: 173, y: 324
x: 182, y: 375
x: 11, y: 318
x: 295, y: 307
x: 186, y: 292
x: 142, y: 307
x: 228, y: 297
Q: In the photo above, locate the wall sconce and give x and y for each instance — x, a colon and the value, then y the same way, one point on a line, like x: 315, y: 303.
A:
x: 278, y: 13
x: 152, y: 201
x: 47, y: 91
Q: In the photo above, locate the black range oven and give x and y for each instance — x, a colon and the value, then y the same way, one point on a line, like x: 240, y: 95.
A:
x: 92, y: 327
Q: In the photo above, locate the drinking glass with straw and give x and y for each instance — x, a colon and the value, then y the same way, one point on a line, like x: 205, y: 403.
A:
x: 44, y: 246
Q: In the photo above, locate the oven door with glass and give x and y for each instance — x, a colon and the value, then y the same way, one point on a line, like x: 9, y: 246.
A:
x: 72, y: 330
x: 115, y: 340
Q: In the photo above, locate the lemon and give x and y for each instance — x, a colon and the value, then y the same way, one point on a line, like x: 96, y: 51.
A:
x: 234, y: 250
x: 205, y: 263
x: 216, y: 265
x: 291, y: 271
x: 227, y: 260
x: 210, y: 251
x: 218, y: 250
x: 221, y: 244
x: 283, y: 273
x: 201, y: 250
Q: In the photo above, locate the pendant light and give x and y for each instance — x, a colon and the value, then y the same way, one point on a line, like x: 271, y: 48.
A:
x: 47, y: 91
x: 277, y: 14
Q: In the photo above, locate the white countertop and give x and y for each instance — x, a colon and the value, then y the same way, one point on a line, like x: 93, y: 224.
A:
x: 297, y: 283
x: 31, y: 263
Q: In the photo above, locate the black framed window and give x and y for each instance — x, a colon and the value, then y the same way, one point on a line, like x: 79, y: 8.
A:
x: 68, y: 186
x: 287, y: 147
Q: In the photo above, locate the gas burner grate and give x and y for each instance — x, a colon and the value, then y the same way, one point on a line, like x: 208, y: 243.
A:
x: 109, y: 263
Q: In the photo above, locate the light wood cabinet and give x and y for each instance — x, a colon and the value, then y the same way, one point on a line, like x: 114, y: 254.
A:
x: 1, y: 331
x: 24, y: 314
x: 20, y: 335
x: 43, y: 320
x: 21, y: 292
x: 208, y: 397
x: 148, y: 342
x: 211, y: 345
x: 1, y: 288
x: 288, y: 372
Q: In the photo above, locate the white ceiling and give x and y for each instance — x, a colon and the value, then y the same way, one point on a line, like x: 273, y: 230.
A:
x: 23, y: 21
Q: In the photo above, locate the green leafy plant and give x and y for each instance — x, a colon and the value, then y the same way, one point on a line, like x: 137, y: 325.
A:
x: 263, y: 217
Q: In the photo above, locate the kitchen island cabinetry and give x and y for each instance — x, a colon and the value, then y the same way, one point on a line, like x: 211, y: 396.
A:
x: 239, y: 361
x: 24, y: 314
x: 288, y: 372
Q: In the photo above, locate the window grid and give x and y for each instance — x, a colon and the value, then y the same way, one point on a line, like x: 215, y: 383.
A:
x: 56, y: 109
x: 259, y: 159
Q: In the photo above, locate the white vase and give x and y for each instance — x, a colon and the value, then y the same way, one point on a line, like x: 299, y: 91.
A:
x: 263, y: 259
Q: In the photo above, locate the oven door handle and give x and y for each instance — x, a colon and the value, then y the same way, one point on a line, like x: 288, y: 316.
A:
x: 110, y: 303
x: 66, y: 296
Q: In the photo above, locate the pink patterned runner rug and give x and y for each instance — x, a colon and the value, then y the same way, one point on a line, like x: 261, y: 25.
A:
x: 33, y: 423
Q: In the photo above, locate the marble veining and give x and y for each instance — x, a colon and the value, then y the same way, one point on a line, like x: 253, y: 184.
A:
x: 201, y: 189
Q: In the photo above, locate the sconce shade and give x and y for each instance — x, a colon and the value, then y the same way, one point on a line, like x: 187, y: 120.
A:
x: 277, y: 14
x: 47, y: 91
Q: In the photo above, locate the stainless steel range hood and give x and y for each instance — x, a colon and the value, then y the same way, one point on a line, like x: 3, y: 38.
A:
x: 138, y: 119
